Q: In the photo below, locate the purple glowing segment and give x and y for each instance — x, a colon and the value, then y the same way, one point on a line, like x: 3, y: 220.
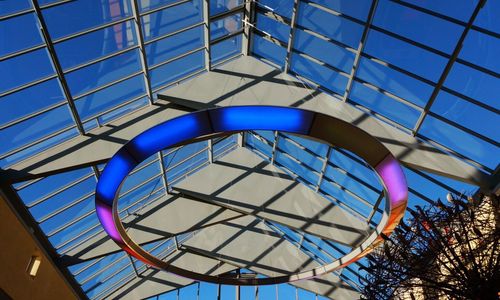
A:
x: 393, y: 177
x: 105, y: 215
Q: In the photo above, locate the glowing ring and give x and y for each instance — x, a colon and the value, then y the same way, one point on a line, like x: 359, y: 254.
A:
x: 183, y: 129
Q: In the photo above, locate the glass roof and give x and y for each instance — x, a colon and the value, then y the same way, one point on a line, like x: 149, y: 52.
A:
x: 428, y: 68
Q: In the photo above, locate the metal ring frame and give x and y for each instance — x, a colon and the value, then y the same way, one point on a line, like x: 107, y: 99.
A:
x: 226, y: 120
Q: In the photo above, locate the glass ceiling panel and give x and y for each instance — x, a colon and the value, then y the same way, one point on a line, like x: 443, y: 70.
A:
x: 339, y: 29
x: 79, y: 15
x: 332, y: 54
x: 11, y: 6
x: 28, y: 25
x: 488, y: 17
x: 399, y: 53
x: 420, y: 27
x: 175, y: 45
x: 96, y: 44
x: 460, y: 9
x: 20, y: 69
x: 220, y: 6
x: 281, y: 7
x: 357, y: 9
x: 404, y: 55
x: 171, y: 19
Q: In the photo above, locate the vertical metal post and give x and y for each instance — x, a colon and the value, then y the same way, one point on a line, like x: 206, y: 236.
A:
x: 275, y: 143
x: 375, y: 207
x: 248, y: 19
x: 133, y: 266
x: 291, y: 36
x: 198, y: 292
x: 206, y: 19
x: 241, y: 139
x: 97, y: 173
x: 360, y: 49
x: 57, y: 66
x: 218, y: 291
x: 163, y: 171
x: 237, y: 287
x: 296, y: 293
x: 176, y: 242
x: 256, y: 292
x: 210, y: 151
x: 142, y: 50
x: 323, y: 168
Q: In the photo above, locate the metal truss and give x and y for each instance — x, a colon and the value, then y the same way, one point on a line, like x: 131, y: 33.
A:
x: 424, y: 111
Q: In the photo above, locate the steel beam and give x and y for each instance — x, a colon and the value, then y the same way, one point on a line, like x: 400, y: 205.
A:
x: 291, y: 37
x: 448, y: 66
x: 57, y: 65
x: 142, y: 49
x: 361, y: 47
x: 272, y: 88
x: 206, y: 18
x: 248, y: 20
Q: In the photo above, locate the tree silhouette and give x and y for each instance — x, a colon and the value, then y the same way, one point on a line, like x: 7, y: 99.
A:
x: 446, y: 251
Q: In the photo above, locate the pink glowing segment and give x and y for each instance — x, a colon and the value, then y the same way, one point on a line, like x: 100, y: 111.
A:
x: 392, y: 175
x: 105, y: 215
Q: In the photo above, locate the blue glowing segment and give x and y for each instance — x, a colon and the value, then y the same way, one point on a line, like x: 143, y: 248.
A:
x: 115, y: 172
x: 168, y: 134
x: 238, y: 118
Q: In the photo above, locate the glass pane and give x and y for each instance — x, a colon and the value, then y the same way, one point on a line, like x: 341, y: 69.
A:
x: 35, y: 128
x: 319, y: 74
x: 358, y: 9
x: 172, y: 19
x: 488, y: 16
x: 467, y: 114
x: 394, y: 82
x: 226, y: 48
x: 325, y: 51
x: 281, y: 7
x: 19, y: 70
x: 225, y: 26
x: 30, y: 100
x: 481, y: 49
x: 405, y: 55
x: 384, y: 105
x: 107, y: 98
x: 101, y: 73
x: 475, y: 84
x: 173, y: 46
x: 268, y: 50
x: 340, y: 29
x: 177, y: 69
x: 79, y: 15
x: 461, y: 142
x: 8, y: 7
x: 418, y: 26
x: 96, y: 44
x: 25, y: 24
x: 274, y: 28
x: 220, y: 6
x: 461, y: 9
x: 145, y: 5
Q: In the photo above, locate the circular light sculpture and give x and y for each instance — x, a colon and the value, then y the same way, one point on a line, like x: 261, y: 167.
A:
x: 227, y: 120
